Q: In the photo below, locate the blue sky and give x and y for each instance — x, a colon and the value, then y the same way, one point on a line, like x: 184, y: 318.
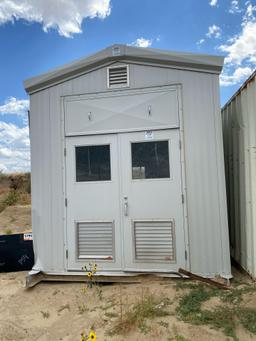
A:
x: 36, y: 36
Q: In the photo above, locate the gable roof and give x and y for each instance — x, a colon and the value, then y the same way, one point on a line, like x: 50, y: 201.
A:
x: 181, y: 60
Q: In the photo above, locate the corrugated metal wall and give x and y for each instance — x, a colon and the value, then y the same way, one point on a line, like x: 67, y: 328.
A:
x: 239, y: 129
x: 207, y: 215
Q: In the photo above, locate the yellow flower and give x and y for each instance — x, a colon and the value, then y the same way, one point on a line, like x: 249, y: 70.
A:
x: 89, y: 274
x: 92, y: 336
x: 94, y: 268
x: 82, y: 337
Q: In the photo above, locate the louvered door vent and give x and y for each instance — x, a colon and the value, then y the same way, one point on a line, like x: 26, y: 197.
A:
x: 95, y: 240
x: 154, y: 241
x: 118, y: 76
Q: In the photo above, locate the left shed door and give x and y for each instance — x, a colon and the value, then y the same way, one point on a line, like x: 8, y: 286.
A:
x: 93, y: 218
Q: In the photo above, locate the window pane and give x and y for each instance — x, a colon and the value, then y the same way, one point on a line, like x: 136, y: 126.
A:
x: 93, y: 163
x: 150, y: 160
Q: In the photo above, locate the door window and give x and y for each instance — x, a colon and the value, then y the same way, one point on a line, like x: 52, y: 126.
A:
x: 93, y: 163
x: 150, y: 160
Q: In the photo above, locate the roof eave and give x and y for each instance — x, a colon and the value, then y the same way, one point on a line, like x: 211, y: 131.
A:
x: 104, y: 57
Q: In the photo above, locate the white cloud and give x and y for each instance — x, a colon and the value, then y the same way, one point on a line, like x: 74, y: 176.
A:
x: 200, y: 42
x: 249, y: 13
x: 214, y: 31
x: 142, y: 42
x: 234, y: 7
x: 14, y: 140
x: 243, y: 46
x: 66, y: 16
x: 15, y: 106
x: 240, y: 50
x: 213, y: 3
x: 239, y: 75
x: 14, y: 148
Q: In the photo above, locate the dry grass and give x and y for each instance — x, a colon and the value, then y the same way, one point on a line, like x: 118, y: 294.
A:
x: 14, y: 194
x: 149, y: 306
x: 24, y: 199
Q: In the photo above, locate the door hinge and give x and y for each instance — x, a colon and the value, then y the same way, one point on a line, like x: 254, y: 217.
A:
x: 67, y: 254
x: 182, y: 198
x: 66, y: 202
x: 180, y: 145
x: 65, y: 151
x: 186, y: 255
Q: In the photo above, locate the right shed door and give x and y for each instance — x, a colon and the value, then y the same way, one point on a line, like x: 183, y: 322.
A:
x: 152, y: 207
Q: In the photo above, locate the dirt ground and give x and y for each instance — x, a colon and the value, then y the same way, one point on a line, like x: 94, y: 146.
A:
x: 15, y: 219
x: 61, y: 311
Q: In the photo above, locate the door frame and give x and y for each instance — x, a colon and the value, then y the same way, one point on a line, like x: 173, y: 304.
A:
x: 115, y: 93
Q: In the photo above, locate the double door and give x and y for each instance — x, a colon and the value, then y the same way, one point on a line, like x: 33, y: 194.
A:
x: 124, y: 201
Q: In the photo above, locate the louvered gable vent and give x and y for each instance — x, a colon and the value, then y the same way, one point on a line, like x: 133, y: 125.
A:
x: 118, y: 76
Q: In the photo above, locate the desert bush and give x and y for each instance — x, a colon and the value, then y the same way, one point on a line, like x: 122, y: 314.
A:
x: 28, y: 186
x: 24, y: 198
x: 8, y: 231
x: 20, y: 181
x: 16, y: 181
x: 11, y: 198
x: 150, y: 306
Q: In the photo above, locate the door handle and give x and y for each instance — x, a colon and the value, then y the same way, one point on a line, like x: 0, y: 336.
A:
x: 126, y: 206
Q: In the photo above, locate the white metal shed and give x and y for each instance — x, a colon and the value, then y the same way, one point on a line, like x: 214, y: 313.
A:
x: 127, y: 164
x: 239, y: 129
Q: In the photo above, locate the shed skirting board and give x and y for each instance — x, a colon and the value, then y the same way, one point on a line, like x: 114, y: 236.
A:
x: 127, y: 274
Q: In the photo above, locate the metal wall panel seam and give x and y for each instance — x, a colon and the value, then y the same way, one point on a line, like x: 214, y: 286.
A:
x: 221, y: 187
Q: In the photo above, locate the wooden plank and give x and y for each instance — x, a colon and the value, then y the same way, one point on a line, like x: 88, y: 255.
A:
x: 205, y: 280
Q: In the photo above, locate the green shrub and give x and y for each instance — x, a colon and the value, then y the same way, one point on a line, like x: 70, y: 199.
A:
x: 190, y: 304
x: 9, y: 231
x: 11, y: 198
x: 224, y: 317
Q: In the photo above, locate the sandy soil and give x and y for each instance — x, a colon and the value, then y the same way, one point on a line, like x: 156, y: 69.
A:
x: 15, y: 219
x: 60, y: 311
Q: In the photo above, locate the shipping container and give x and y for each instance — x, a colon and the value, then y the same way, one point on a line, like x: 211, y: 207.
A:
x: 239, y: 130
